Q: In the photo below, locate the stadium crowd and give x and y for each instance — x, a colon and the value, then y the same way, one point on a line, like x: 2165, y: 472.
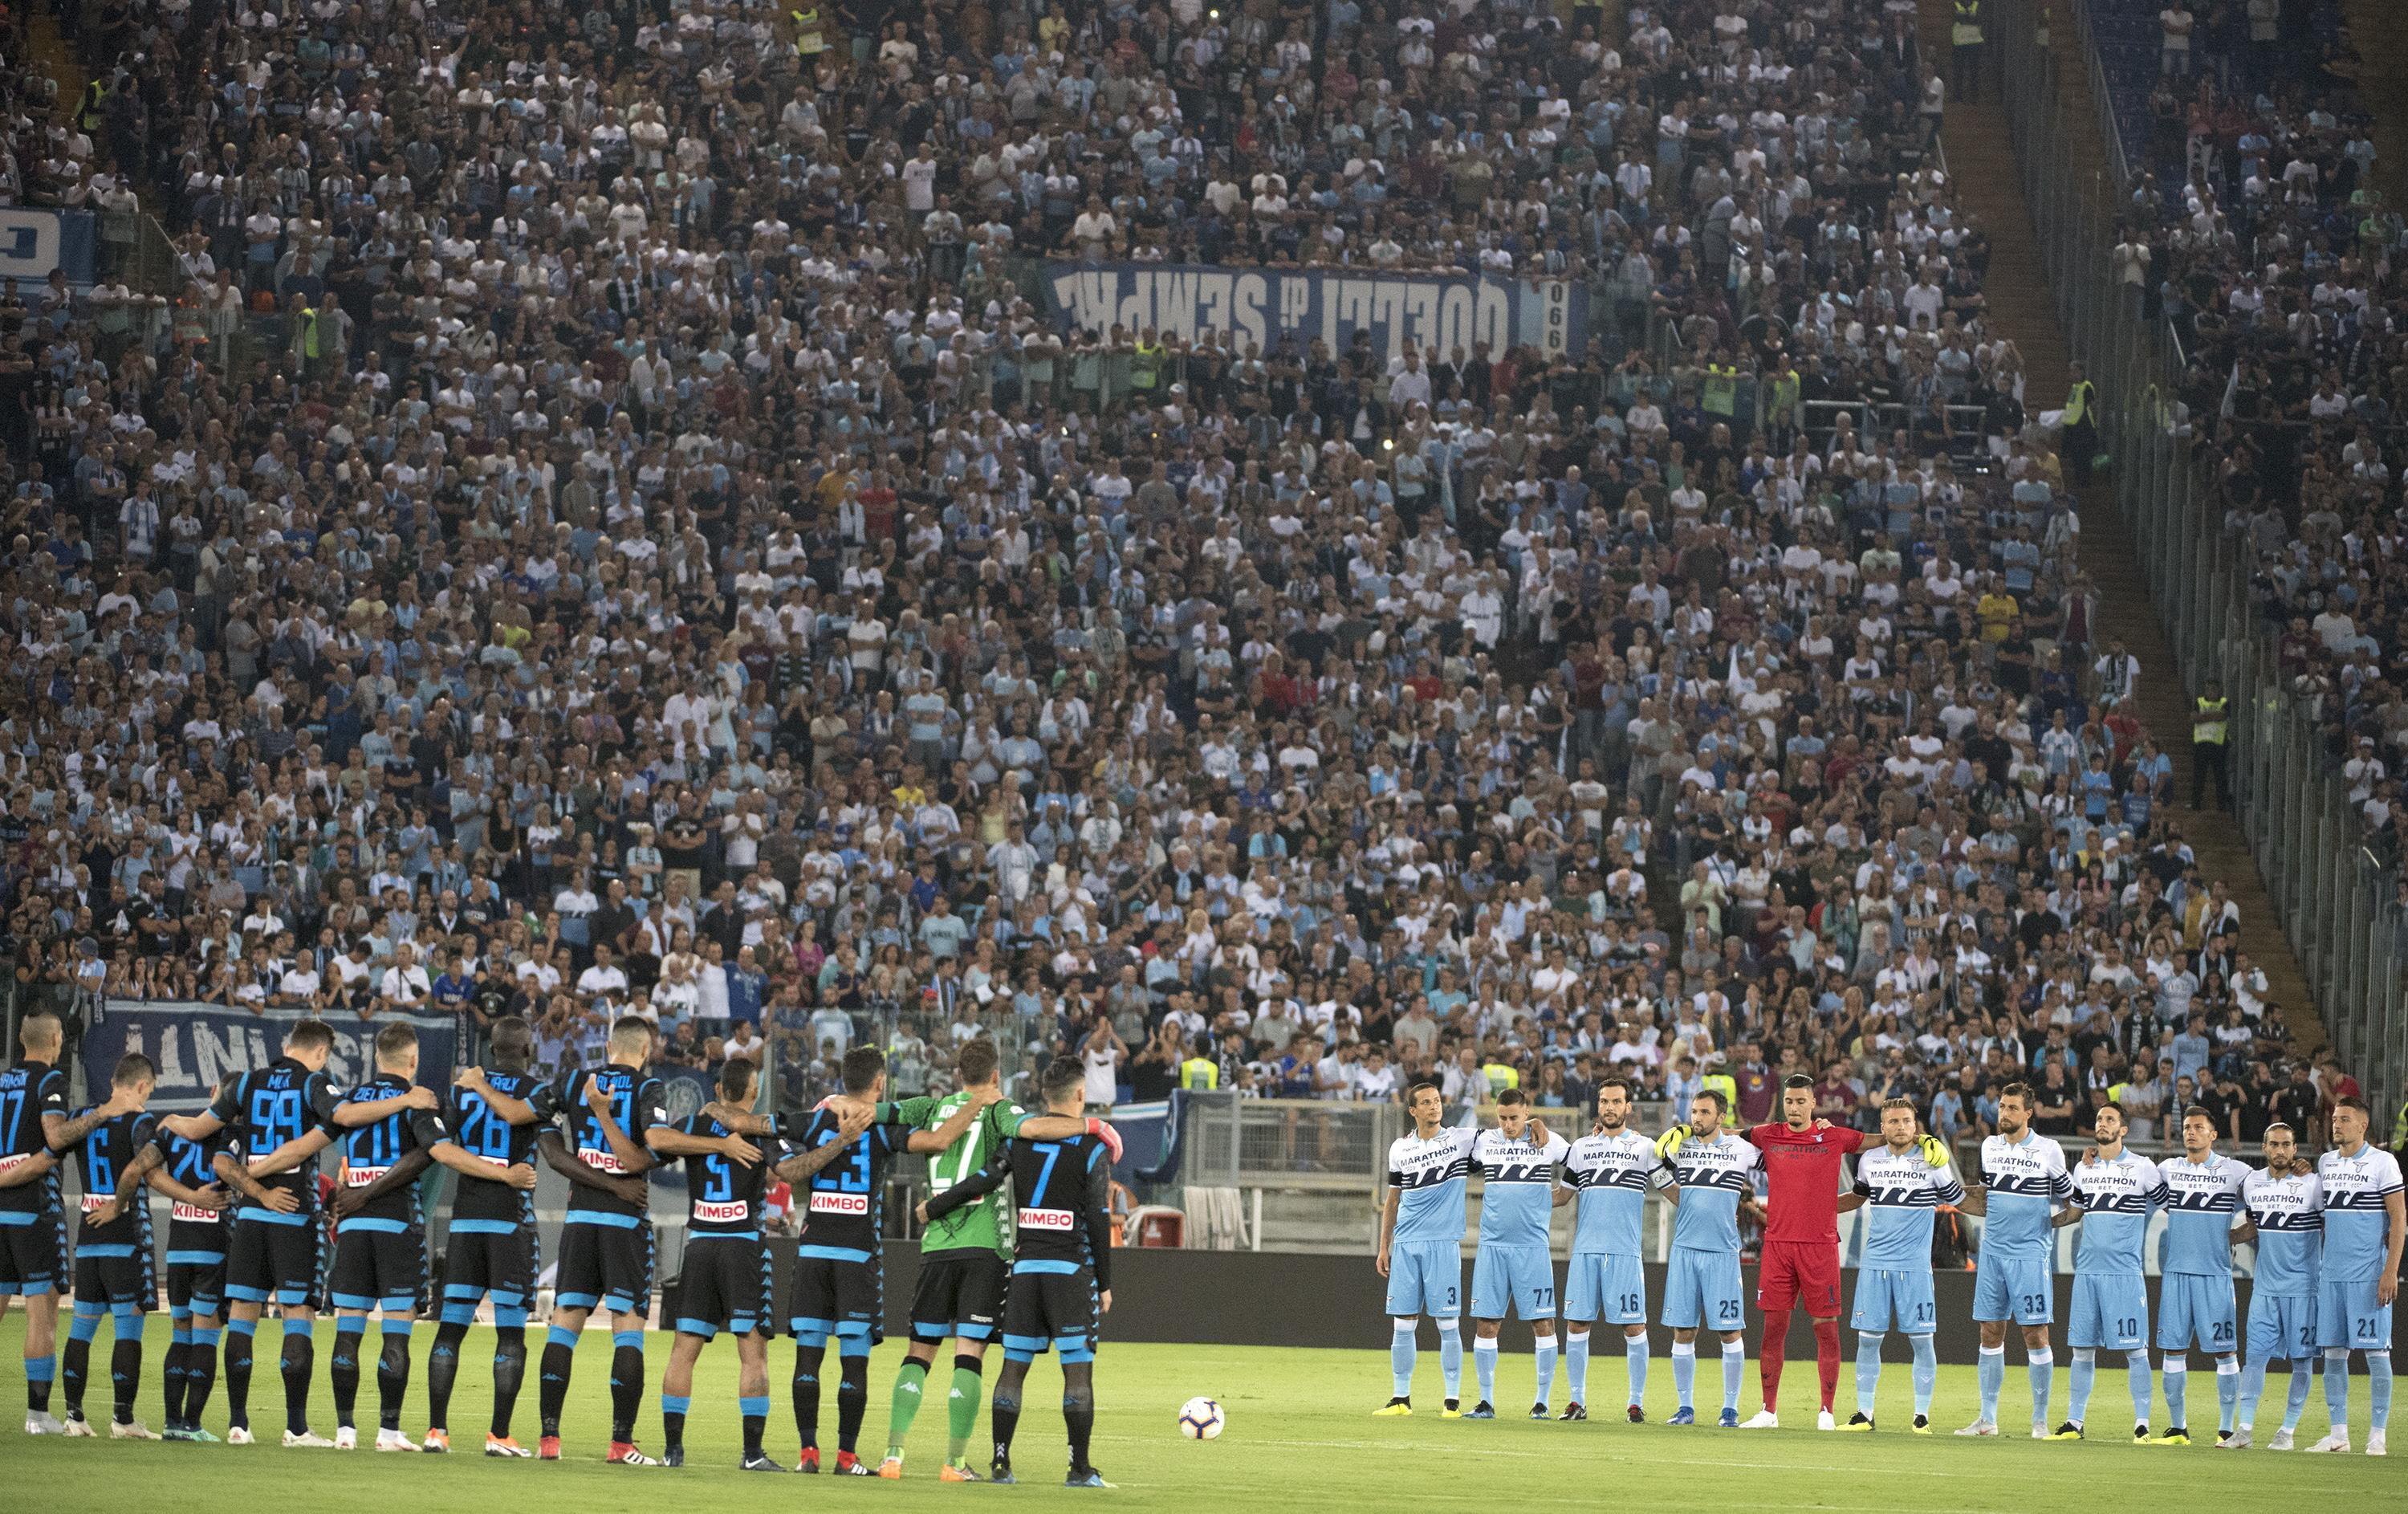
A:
x: 605, y: 526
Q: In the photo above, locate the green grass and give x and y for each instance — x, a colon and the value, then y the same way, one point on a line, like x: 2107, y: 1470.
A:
x: 1299, y: 1430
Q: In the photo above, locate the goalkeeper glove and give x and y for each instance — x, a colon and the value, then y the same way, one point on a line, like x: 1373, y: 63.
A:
x: 1670, y: 1142
x: 1102, y: 1130
x: 1935, y: 1152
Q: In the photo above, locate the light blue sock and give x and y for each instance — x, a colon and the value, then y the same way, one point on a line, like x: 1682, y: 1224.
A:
x: 1483, y: 1361
x: 2041, y: 1367
x: 2177, y: 1374
x: 2085, y: 1373
x: 2143, y: 1383
x: 1402, y: 1348
x: 2378, y: 1373
x: 1576, y: 1364
x: 2337, y: 1389
x: 2253, y: 1388
x: 1734, y: 1368
x: 1992, y: 1375
x: 1926, y: 1372
x: 1634, y: 1356
x: 2304, y: 1374
x: 1685, y: 1372
x: 1869, y: 1347
x: 2227, y: 1392
x: 1546, y: 1353
x: 1450, y: 1357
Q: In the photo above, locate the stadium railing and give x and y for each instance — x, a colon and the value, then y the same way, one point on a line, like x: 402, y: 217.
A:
x: 2331, y: 892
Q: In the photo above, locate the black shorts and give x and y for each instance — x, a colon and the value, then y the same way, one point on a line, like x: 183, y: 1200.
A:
x: 960, y: 1294
x: 33, y: 1256
x: 838, y: 1296
x: 605, y: 1266
x: 195, y: 1285
x: 273, y: 1261
x: 377, y: 1269
x: 490, y: 1256
x: 1050, y: 1311
x: 117, y: 1275
x: 724, y: 1285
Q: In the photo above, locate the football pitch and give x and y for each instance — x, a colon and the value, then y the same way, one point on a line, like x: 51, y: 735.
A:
x: 1299, y: 1434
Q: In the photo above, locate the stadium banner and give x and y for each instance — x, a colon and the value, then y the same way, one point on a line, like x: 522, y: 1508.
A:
x: 1145, y: 1136
x: 33, y: 241
x: 1438, y: 311
x: 196, y: 1045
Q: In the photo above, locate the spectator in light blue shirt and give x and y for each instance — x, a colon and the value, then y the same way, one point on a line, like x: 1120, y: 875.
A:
x: 2191, y: 1050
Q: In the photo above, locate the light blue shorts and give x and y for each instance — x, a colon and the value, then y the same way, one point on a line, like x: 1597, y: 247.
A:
x: 2111, y: 1312
x: 1426, y: 1277
x: 1899, y: 1300
x: 1598, y: 1286
x: 1520, y: 1277
x: 1702, y: 1291
x: 2014, y: 1287
x: 2348, y: 1319
x: 2282, y: 1327
x: 2195, y: 1307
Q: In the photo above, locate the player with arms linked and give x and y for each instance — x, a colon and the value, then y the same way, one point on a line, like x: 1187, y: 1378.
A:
x: 32, y: 1221
x: 1711, y: 1185
x: 1511, y: 1269
x: 2023, y: 1199
x: 1421, y: 1244
x: 2285, y: 1203
x: 113, y: 1248
x: 1608, y: 1171
x: 1903, y: 1182
x: 2114, y: 1192
x: 2364, y: 1226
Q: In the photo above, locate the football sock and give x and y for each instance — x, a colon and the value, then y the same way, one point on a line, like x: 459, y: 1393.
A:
x: 2253, y: 1388
x: 298, y: 1362
x: 1402, y: 1349
x: 754, y: 1408
x: 962, y: 1407
x: 1992, y: 1375
x: 2337, y: 1389
x: 240, y: 1339
x: 1827, y: 1359
x: 551, y: 1390
x: 1634, y: 1356
x: 1483, y: 1361
x: 1926, y: 1372
x: 2228, y: 1390
x: 1576, y: 1364
x: 2177, y: 1374
x: 78, y: 1357
x: 1734, y: 1368
x: 2378, y: 1375
x: 509, y: 1373
x: 179, y: 1348
x: 1546, y: 1354
x: 1079, y: 1409
x: 343, y: 1369
x: 41, y: 1372
x: 2143, y: 1386
x: 2303, y: 1371
x: 1685, y: 1372
x: 851, y: 1390
x: 442, y: 1370
x: 626, y: 1382
x: 1450, y: 1356
x: 809, y: 1350
x: 393, y: 1373
x: 1771, y: 1354
x: 673, y: 1407
x: 1869, y: 1349
x: 2086, y: 1370
x: 200, y: 1374
x: 910, y: 1386
x: 1005, y: 1409
x: 2041, y: 1366
x: 125, y: 1362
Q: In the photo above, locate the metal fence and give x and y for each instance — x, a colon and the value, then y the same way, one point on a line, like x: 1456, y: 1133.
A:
x: 2331, y: 893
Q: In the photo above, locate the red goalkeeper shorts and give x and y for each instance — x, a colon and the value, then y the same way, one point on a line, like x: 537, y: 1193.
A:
x: 1799, y: 1275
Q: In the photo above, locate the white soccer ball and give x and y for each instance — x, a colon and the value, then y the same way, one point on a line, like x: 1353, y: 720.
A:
x: 1200, y: 1419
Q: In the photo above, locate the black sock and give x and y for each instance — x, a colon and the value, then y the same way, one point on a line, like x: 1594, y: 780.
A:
x: 125, y: 1371
x: 73, y: 1364
x: 392, y: 1377
x: 807, y: 1392
x: 673, y: 1425
x: 1079, y: 1418
x: 1005, y: 1408
x: 343, y: 1371
x: 442, y: 1370
x: 239, y: 1347
x: 299, y: 1363
x: 509, y: 1371
x: 753, y: 1425
x: 851, y: 1399
x: 200, y: 1374
x: 626, y: 1391
x: 172, y: 1380
x: 558, y: 1357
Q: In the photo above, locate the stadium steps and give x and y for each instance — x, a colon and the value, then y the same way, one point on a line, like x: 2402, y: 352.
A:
x: 2382, y: 47
x: 55, y: 56
x: 1981, y: 159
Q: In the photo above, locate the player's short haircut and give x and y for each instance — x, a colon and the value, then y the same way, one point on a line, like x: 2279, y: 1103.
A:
x: 40, y: 1028
x: 631, y: 1034
x: 133, y: 1068
x: 1061, y: 1075
x: 394, y: 1042
x: 1414, y: 1089
x: 862, y: 1065
x: 1621, y: 1083
x: 1888, y: 1105
x: 2113, y: 1106
x: 1514, y: 1098
x: 1796, y: 1080
x: 310, y: 1035
x: 2195, y: 1112
x: 736, y: 1078
x: 2351, y: 1101
x: 2022, y: 1092
x: 2282, y: 1125
x: 513, y: 1043
x: 1717, y: 1097
x: 976, y: 1062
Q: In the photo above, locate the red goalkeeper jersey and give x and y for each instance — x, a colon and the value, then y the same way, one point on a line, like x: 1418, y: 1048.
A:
x: 1801, y: 1173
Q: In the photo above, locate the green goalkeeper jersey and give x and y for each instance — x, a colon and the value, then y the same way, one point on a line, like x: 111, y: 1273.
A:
x: 986, y: 1224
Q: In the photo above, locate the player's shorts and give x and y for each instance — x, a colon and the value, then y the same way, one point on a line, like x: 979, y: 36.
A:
x: 2193, y: 1307
x: 1601, y: 1285
x: 960, y: 1294
x: 2111, y: 1312
x: 2014, y: 1287
x: 2349, y: 1319
x: 725, y: 1286
x: 377, y: 1269
x: 1520, y: 1277
x: 2282, y: 1326
x: 1426, y: 1277
x: 195, y: 1283
x: 1895, y: 1299
x: 1053, y: 1309
x: 838, y: 1295
x: 273, y: 1259
x: 1703, y: 1291
x: 1799, y: 1275
x: 118, y: 1275
x: 499, y: 1257
x: 32, y: 1254
x: 605, y: 1266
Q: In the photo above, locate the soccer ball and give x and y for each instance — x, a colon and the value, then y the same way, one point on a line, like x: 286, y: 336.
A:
x: 1199, y: 1418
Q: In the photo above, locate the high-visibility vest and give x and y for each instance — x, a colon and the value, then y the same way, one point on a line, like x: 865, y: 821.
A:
x: 1727, y: 1084
x: 309, y: 332
x: 88, y: 114
x: 1502, y: 1075
x: 1200, y: 1073
x: 2077, y: 403
x: 2207, y: 721
x: 809, y: 41
x: 1721, y: 395
x: 1967, y: 30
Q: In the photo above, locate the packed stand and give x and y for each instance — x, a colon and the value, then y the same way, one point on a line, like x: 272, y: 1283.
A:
x: 604, y: 531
